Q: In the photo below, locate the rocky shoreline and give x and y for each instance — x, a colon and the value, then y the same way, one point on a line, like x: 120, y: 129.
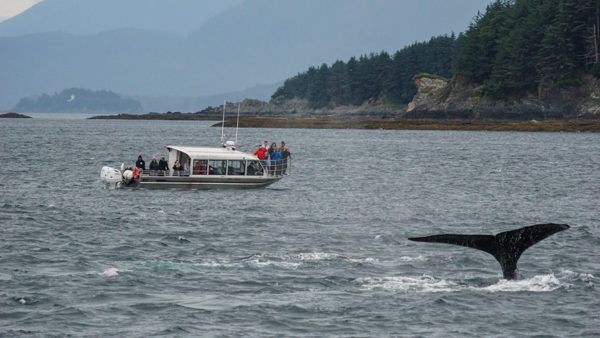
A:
x: 383, y: 122
x: 414, y: 124
x: 440, y: 104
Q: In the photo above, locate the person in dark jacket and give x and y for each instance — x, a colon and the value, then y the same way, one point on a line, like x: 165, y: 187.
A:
x: 285, y: 157
x: 140, y: 163
x: 153, y: 167
x: 163, y: 167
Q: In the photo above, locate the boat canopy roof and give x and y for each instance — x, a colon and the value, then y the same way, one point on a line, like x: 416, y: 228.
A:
x: 216, y: 153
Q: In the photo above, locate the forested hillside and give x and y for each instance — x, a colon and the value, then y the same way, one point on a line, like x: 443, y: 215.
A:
x: 520, y: 46
x: 516, y: 47
x: 373, y: 77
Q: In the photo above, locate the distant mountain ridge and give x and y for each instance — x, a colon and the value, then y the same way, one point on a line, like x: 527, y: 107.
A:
x: 83, y: 17
x: 251, y: 42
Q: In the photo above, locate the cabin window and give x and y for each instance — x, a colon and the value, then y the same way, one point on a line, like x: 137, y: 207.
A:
x: 200, y: 167
x: 217, y: 167
x: 254, y: 168
x: 236, y: 167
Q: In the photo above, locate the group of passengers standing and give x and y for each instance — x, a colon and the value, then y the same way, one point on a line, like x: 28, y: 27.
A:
x: 273, y: 158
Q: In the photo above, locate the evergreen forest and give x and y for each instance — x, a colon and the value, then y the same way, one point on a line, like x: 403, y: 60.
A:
x: 514, y: 48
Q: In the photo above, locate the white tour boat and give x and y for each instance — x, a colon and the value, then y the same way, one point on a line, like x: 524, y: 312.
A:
x: 222, y: 167
x: 204, y: 168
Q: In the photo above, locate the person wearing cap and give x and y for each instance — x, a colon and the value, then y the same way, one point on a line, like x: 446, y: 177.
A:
x: 285, y: 155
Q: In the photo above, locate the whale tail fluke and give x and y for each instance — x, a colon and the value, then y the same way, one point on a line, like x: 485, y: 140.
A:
x: 506, y: 247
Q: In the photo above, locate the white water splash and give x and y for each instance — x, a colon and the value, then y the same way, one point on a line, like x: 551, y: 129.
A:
x: 415, y: 284
x: 287, y: 265
x: 310, y: 256
x: 111, y: 272
x: 575, y: 276
x: 541, y: 283
x: 215, y: 264
x: 419, y: 258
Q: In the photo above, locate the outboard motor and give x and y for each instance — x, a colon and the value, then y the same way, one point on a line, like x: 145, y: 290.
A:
x: 111, y: 176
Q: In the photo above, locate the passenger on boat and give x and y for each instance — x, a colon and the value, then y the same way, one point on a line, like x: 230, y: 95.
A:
x: 177, y: 168
x: 285, y: 155
x: 163, y: 167
x: 272, y: 149
x: 261, y: 153
x: 140, y: 163
x: 275, y: 156
x: 136, y: 173
x: 198, y: 168
x: 153, y: 167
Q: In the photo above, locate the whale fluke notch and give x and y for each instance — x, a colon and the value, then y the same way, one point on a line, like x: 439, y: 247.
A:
x: 506, y: 247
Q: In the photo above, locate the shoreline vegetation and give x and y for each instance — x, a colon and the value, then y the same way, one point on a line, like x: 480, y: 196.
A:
x: 375, y: 122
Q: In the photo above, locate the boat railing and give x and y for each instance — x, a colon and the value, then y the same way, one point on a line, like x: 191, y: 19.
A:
x: 276, y: 168
x: 147, y: 172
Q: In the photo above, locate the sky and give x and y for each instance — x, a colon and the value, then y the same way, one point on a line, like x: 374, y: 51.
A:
x: 10, y: 8
x: 153, y: 49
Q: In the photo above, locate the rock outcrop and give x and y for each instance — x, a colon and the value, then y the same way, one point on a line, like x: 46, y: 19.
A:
x: 459, y: 98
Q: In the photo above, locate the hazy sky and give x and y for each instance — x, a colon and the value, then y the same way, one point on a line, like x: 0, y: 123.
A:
x: 10, y: 8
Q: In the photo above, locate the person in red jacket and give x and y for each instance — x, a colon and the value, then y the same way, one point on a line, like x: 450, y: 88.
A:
x: 261, y: 153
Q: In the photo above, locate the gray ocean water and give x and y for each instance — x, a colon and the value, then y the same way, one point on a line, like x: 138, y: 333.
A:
x: 321, y: 253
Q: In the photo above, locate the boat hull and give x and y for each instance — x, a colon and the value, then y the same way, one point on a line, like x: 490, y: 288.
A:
x: 168, y: 182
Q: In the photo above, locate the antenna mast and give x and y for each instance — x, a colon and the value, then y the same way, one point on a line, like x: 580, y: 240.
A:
x: 223, y: 124
x: 238, y: 122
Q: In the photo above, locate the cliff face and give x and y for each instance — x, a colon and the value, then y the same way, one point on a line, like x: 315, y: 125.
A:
x: 458, y: 98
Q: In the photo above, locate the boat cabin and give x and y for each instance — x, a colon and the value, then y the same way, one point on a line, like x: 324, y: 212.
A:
x: 205, y: 161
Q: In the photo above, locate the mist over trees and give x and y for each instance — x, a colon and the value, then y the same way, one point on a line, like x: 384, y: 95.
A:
x: 514, y: 48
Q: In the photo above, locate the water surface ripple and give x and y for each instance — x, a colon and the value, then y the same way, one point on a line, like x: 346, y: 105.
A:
x: 321, y: 253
